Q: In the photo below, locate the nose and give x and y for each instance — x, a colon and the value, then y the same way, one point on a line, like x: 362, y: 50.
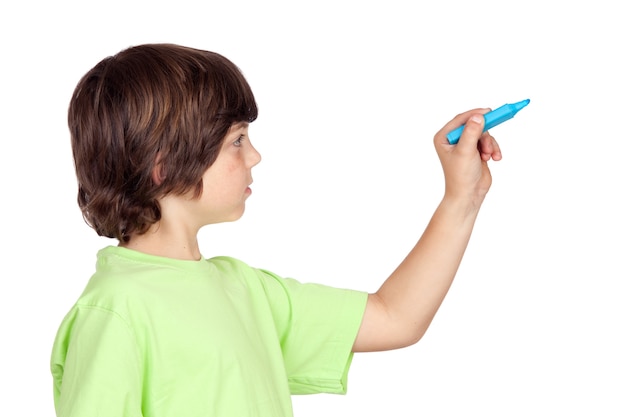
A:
x: 254, y: 157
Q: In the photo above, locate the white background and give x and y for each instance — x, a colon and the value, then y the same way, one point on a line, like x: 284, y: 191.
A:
x: 350, y: 95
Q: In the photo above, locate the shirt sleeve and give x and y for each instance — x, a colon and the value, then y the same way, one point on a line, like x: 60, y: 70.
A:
x: 317, y: 326
x: 95, y: 366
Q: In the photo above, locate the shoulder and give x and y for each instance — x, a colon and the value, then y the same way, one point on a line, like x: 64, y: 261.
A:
x: 229, y: 263
x: 233, y: 269
x: 237, y: 267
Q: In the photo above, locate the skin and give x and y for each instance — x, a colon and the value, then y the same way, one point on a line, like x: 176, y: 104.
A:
x: 225, y: 191
x: 399, y: 313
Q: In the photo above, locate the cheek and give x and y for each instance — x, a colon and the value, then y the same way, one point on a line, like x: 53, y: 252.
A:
x: 234, y: 165
x: 231, y: 167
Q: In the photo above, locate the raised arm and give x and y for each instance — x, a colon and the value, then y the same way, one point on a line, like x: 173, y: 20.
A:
x: 398, y: 314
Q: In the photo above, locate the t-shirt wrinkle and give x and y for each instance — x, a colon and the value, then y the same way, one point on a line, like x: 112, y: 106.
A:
x: 159, y: 337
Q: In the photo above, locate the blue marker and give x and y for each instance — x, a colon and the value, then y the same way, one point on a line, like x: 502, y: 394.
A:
x: 493, y: 118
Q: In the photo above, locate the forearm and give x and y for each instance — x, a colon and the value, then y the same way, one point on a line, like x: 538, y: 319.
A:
x: 399, y: 313
x: 408, y: 300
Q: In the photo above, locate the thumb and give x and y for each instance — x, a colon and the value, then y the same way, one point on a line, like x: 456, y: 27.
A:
x: 472, y: 132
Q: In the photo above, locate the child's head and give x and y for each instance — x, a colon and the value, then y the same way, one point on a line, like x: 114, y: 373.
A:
x: 147, y: 122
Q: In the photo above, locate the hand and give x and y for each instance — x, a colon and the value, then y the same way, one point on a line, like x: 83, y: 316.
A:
x: 464, y: 165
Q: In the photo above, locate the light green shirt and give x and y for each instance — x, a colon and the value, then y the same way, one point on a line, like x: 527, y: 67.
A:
x: 159, y: 337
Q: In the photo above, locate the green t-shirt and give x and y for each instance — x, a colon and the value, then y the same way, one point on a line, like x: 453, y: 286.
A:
x: 159, y: 337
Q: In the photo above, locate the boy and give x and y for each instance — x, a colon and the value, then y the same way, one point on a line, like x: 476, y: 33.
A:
x: 161, y: 148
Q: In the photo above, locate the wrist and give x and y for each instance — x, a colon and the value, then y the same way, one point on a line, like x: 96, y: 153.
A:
x: 463, y: 205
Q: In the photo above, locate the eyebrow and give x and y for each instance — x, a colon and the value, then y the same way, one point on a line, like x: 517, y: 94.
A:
x: 240, y: 125
x: 235, y: 127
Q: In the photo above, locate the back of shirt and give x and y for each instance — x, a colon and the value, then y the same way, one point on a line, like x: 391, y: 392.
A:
x: 159, y: 337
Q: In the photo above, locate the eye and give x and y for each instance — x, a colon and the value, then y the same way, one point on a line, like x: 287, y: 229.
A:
x: 239, y: 140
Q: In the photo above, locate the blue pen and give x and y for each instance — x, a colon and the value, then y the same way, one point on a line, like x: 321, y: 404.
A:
x: 493, y: 118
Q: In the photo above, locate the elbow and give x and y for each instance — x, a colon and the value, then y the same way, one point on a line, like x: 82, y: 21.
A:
x: 398, y: 329
x: 414, y: 334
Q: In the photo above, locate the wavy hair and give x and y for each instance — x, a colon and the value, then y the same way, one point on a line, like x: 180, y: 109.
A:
x: 150, y: 107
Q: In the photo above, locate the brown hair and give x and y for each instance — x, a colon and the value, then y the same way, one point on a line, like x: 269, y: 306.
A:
x: 155, y: 105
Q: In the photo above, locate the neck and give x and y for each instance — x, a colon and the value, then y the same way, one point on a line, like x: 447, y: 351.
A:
x: 168, y: 242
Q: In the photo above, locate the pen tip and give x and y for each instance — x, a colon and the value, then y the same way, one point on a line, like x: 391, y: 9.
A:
x: 520, y: 105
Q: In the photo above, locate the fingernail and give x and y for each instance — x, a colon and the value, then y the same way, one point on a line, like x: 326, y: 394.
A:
x: 476, y: 119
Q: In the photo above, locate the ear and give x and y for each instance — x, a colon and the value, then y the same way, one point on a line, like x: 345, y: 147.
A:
x: 157, y: 170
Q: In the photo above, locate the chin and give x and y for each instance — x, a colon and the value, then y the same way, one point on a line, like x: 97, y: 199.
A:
x: 236, y: 216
